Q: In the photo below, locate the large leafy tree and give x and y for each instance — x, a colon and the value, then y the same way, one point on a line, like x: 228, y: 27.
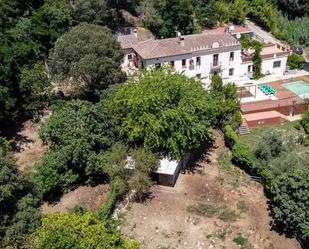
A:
x: 225, y: 103
x: 178, y: 15
x: 163, y: 111
x: 165, y: 18
x: 78, y: 134
x: 90, y: 54
x: 17, y: 49
x: 290, y: 193
x: 67, y: 231
x: 99, y: 12
x: 212, y: 13
x: 264, y: 12
x: 35, y: 87
x: 149, y: 15
x: 28, y: 29
x: 19, y: 202
x: 50, y: 21
x: 293, y: 8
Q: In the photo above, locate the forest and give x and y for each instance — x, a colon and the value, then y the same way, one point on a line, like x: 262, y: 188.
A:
x: 63, y: 56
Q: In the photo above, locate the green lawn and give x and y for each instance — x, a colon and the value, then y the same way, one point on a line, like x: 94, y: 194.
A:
x: 257, y: 133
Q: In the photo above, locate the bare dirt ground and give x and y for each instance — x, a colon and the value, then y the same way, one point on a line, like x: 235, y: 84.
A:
x: 88, y: 197
x: 29, y: 150
x: 29, y: 146
x: 165, y: 222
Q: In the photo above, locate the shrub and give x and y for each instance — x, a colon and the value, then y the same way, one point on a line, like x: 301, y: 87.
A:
x: 242, y: 206
x: 240, y: 240
x: 228, y: 215
x: 305, y: 122
x: 230, y: 135
x: 242, y: 154
x: 203, y: 209
x: 108, y: 207
x: 72, y: 230
x: 296, y: 61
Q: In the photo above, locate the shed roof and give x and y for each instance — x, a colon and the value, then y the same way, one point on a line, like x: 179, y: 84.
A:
x: 167, y: 166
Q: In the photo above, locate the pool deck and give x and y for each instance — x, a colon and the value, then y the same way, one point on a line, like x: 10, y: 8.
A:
x: 282, y: 92
x: 283, y: 98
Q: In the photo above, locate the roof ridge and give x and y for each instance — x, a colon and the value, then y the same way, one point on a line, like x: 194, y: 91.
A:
x: 157, y: 44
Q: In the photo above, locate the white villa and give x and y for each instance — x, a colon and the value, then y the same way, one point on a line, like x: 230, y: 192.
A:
x: 213, y: 52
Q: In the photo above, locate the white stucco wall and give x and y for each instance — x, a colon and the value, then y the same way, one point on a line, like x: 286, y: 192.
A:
x: 126, y: 52
x: 268, y: 66
x: 206, y: 60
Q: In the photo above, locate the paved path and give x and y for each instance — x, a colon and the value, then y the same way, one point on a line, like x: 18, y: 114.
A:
x: 266, y: 36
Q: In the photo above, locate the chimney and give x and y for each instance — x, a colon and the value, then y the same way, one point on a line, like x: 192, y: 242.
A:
x: 135, y: 32
x: 181, y: 39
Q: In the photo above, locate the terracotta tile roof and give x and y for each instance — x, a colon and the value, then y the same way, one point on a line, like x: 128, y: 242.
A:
x: 127, y: 41
x: 191, y: 43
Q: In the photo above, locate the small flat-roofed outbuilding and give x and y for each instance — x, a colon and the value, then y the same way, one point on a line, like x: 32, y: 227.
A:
x: 167, y: 171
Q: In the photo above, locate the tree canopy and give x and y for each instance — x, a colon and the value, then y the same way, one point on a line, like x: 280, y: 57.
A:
x: 29, y: 30
x: 67, y: 231
x: 19, y: 202
x: 163, y: 111
x: 90, y: 54
x: 225, y: 103
x: 99, y: 12
x: 164, y: 18
x: 78, y: 134
x: 290, y: 193
x: 293, y: 8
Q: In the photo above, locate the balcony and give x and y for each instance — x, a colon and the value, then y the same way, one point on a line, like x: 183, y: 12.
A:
x: 217, y: 66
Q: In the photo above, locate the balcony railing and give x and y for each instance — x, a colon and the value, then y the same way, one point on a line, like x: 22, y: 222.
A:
x: 216, y: 66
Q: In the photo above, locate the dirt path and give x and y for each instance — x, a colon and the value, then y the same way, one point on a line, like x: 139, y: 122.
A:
x: 165, y: 222
x: 88, y: 197
x: 29, y: 146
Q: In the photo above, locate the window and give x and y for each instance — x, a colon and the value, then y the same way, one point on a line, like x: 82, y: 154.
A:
x: 198, y: 75
x: 183, y: 63
x: 231, y: 56
x: 198, y: 61
x: 172, y: 63
x: 231, y: 71
x: 277, y: 64
x: 250, y: 68
x: 130, y: 57
x: 215, y: 60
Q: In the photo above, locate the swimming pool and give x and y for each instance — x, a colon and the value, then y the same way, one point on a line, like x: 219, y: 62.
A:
x: 300, y: 88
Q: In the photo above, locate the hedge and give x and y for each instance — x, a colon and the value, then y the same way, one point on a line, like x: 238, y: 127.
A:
x: 242, y: 154
x: 107, y: 209
x: 296, y: 61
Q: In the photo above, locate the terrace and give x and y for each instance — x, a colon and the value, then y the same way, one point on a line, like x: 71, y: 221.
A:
x: 283, y: 101
x: 269, y: 51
